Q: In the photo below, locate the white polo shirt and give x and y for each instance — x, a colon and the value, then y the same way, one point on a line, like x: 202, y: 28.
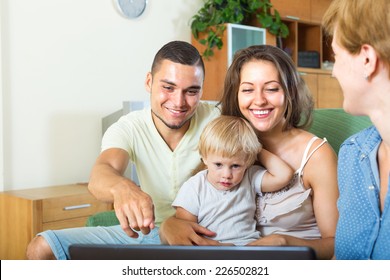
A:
x: 161, y: 172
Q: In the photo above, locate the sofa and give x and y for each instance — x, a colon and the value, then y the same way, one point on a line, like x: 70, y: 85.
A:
x: 334, y: 124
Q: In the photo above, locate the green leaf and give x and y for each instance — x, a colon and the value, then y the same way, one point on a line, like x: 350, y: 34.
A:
x: 203, y: 41
x: 284, y: 31
x: 266, y: 21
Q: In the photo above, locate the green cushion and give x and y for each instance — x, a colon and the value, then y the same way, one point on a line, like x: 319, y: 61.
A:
x: 336, y: 125
x: 107, y: 218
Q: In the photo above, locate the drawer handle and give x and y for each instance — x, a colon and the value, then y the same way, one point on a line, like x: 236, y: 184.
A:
x: 73, y: 207
x: 292, y: 17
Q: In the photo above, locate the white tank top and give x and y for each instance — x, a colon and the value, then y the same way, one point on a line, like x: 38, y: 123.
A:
x: 289, y: 211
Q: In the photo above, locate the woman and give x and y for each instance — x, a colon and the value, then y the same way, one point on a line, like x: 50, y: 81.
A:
x: 361, y: 44
x: 263, y: 86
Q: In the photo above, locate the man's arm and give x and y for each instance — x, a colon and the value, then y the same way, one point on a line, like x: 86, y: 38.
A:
x: 133, y: 207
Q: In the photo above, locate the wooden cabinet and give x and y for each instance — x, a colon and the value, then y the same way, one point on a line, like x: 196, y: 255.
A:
x: 325, y: 89
x: 24, y: 213
x: 318, y: 8
x: 304, y: 10
x: 303, y: 37
x: 215, y: 69
x: 306, y: 33
x: 330, y: 94
x: 299, y: 10
x: 311, y: 81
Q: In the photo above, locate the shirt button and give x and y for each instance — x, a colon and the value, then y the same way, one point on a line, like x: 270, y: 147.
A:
x: 371, y: 187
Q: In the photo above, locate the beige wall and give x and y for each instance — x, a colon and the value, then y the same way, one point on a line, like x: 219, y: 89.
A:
x: 65, y: 64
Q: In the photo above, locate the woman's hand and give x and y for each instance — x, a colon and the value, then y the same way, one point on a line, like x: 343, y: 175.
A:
x: 322, y: 246
x: 270, y: 240
x: 175, y: 231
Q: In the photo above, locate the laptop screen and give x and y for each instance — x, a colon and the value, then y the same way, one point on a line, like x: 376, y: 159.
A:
x: 166, y: 252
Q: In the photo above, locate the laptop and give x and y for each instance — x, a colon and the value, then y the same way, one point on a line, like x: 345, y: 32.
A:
x: 166, y: 252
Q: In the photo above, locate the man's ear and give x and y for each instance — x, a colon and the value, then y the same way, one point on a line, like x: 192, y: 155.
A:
x: 148, y: 82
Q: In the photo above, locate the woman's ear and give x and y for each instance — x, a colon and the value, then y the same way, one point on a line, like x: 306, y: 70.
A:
x: 148, y: 82
x: 370, y: 60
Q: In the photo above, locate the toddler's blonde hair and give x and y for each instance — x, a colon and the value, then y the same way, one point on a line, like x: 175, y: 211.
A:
x: 230, y: 136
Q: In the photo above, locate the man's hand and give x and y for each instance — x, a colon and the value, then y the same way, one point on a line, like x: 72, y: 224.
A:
x: 175, y: 231
x: 134, y: 210
x: 133, y: 207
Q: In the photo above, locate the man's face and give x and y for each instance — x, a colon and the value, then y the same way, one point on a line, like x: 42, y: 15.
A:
x: 175, y: 91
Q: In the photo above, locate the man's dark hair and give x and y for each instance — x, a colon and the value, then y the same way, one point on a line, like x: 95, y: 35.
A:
x: 178, y: 52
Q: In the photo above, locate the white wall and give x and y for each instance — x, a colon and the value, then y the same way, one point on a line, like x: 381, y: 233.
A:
x: 65, y: 64
x: 1, y: 100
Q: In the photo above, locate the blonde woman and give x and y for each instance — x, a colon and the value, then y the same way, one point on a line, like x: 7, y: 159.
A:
x: 361, y: 44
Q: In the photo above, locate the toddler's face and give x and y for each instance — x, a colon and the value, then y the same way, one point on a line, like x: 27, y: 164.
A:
x: 225, y: 173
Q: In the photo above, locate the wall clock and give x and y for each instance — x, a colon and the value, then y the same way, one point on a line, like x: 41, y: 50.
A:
x: 131, y: 8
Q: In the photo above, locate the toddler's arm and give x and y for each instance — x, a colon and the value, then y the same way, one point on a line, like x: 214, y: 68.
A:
x: 278, y: 174
x: 183, y: 214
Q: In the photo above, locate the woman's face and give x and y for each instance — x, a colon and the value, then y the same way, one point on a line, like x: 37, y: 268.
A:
x: 348, y: 71
x: 260, y: 95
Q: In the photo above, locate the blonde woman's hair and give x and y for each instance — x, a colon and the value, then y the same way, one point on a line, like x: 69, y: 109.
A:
x: 360, y: 22
x: 230, y: 136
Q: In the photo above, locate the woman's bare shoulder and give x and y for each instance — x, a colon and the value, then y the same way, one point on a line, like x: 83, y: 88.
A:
x: 322, y: 162
x: 321, y: 144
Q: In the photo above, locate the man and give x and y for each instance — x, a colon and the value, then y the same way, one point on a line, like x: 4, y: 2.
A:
x: 162, y: 142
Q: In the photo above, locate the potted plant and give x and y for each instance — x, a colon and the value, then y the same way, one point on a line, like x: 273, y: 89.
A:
x: 210, y: 20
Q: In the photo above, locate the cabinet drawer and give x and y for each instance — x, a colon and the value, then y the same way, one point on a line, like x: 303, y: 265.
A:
x: 68, y: 207
x: 312, y: 84
x: 69, y: 223
x: 330, y: 94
